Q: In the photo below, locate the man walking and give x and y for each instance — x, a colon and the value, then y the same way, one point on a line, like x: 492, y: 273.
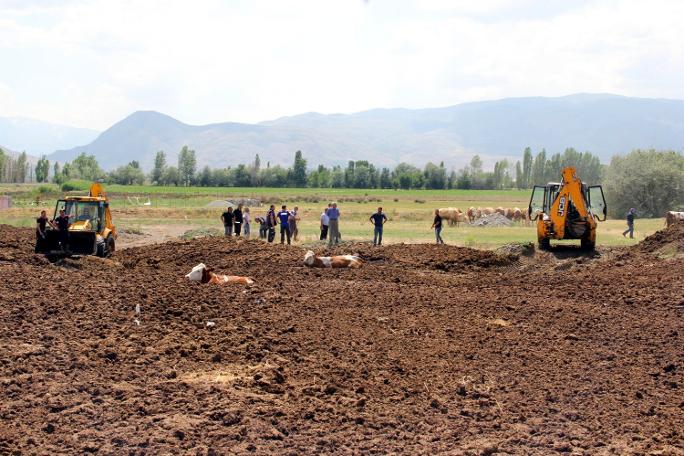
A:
x: 333, y: 214
x: 227, y: 218
x: 284, y: 217
x: 271, y: 223
x: 378, y: 220
x: 324, y: 223
x: 437, y: 225
x: 630, y: 224
x: 237, y: 220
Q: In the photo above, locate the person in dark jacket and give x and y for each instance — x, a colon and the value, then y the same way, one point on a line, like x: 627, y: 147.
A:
x: 630, y: 224
x: 237, y: 220
x: 227, y: 218
x: 437, y: 225
x: 41, y: 232
x: 271, y: 222
x: 62, y: 223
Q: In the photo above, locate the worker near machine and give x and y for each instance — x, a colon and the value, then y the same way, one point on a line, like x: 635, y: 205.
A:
x: 41, y: 233
x: 333, y: 214
x: 630, y: 224
x: 237, y: 220
x: 437, y: 225
x: 284, y: 217
x: 324, y: 223
x: 271, y: 222
x: 292, y: 223
x: 227, y: 218
x: 378, y: 220
x: 62, y: 223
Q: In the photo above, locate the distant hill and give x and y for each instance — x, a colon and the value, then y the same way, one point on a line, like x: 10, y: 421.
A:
x: 37, y: 137
x: 603, y: 124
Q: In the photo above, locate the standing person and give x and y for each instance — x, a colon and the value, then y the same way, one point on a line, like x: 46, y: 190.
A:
x: 284, y: 216
x: 271, y: 223
x: 630, y: 224
x: 227, y: 218
x: 62, y: 223
x: 247, y: 219
x: 41, y: 233
x: 292, y: 221
x: 237, y: 220
x: 333, y: 214
x: 437, y: 225
x: 378, y: 220
x: 324, y: 224
x: 263, y: 227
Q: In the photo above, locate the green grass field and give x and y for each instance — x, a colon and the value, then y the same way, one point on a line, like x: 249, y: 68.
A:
x: 409, y: 211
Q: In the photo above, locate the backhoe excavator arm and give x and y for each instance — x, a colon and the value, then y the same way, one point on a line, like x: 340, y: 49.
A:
x: 569, y: 202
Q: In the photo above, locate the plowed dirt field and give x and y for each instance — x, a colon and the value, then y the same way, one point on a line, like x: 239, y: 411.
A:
x: 425, y: 350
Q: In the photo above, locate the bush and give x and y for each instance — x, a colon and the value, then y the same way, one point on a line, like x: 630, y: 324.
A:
x: 74, y: 186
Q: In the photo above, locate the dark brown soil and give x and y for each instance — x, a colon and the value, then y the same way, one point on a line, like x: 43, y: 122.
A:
x: 426, y: 349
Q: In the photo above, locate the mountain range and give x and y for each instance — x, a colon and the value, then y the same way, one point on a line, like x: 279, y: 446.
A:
x: 41, y: 138
x: 603, y: 124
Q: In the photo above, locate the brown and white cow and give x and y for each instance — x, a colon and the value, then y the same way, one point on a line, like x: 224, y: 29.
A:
x: 337, y: 261
x: 472, y: 213
x: 202, y: 274
x: 672, y: 217
x: 517, y: 214
x: 487, y: 211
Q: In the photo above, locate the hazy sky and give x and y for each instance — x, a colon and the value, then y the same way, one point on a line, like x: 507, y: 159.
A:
x: 89, y: 63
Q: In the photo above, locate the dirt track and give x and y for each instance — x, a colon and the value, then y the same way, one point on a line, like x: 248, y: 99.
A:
x: 426, y: 349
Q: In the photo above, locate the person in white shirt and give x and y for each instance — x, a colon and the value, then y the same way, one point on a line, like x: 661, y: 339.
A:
x: 325, y: 221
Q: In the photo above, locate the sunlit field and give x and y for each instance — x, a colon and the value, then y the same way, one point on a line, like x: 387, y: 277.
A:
x: 175, y: 210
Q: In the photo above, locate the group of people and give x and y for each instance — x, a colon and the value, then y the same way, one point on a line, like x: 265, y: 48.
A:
x: 238, y: 221
x: 60, y: 224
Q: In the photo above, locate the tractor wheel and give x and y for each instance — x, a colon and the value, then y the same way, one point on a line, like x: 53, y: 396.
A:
x: 111, y: 246
x: 544, y: 244
x: 101, y: 248
x: 587, y: 244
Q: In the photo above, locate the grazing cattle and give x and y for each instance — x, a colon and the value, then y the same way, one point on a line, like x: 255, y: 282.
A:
x: 500, y: 210
x: 517, y: 214
x: 509, y: 213
x: 487, y: 211
x: 463, y: 217
x: 472, y: 213
x: 672, y: 217
x: 450, y: 214
x: 337, y: 261
x: 202, y: 274
x: 478, y: 213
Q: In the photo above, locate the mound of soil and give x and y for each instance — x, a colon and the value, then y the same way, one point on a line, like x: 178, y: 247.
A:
x: 125, y: 356
x: 667, y: 241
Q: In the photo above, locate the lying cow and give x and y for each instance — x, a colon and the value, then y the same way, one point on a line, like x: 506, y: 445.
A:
x: 337, y: 261
x: 202, y: 274
x: 672, y: 217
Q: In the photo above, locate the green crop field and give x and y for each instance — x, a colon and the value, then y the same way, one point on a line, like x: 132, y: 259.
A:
x: 174, y: 210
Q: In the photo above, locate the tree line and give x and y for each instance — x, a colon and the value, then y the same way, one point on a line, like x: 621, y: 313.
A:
x: 363, y: 174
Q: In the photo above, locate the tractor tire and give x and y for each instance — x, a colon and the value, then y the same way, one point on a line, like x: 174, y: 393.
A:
x: 101, y: 250
x: 544, y: 244
x: 587, y: 244
x: 111, y: 246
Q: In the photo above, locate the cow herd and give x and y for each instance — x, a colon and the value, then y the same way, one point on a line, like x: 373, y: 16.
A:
x: 454, y: 216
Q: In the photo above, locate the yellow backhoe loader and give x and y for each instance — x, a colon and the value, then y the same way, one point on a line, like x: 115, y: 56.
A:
x: 91, y: 231
x: 567, y: 210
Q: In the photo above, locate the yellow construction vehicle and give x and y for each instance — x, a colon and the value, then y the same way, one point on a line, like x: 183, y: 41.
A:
x: 567, y: 210
x: 91, y: 231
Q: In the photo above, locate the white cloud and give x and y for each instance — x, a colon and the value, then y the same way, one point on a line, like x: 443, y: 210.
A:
x: 91, y: 62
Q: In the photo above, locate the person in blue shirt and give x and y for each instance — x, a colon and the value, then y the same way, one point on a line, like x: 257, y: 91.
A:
x: 378, y: 220
x: 333, y: 214
x: 284, y: 216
